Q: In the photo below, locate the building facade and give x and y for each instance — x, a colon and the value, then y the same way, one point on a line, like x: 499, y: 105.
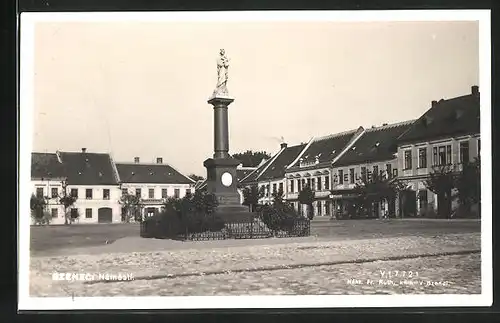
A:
x: 152, y: 183
x: 447, y: 135
x: 372, y: 156
x: 89, y: 177
x: 313, y: 168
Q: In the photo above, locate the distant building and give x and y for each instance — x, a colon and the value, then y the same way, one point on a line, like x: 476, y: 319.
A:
x: 374, y: 153
x: 89, y: 177
x: 270, y: 175
x: 312, y: 168
x: 447, y: 134
x: 153, y: 183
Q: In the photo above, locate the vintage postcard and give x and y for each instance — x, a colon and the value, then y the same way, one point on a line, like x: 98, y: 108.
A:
x: 242, y: 159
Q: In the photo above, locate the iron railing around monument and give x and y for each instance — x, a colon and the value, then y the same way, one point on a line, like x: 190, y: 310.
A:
x: 233, y: 230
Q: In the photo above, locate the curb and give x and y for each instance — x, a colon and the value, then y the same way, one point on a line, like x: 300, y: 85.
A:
x: 293, y: 266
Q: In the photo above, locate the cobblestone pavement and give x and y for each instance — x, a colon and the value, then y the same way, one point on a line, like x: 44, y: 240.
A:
x: 439, y: 275
x: 255, y: 262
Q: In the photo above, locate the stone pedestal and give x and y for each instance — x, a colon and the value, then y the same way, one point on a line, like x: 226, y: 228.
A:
x: 221, y: 169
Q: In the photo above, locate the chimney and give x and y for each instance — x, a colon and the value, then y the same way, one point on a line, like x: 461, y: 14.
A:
x: 433, y: 103
x: 136, y: 160
x: 283, y: 145
x: 159, y: 160
x: 475, y: 90
x: 84, y: 150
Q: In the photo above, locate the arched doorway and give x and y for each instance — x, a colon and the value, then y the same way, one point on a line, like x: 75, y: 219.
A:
x: 105, y: 215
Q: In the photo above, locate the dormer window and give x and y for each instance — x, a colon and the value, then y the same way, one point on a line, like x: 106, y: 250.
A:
x: 377, y: 144
x: 353, y: 148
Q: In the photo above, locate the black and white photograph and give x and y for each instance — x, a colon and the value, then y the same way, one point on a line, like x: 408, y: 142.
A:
x: 242, y: 159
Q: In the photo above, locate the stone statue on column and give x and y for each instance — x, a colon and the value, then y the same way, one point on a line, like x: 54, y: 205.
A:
x: 222, y: 75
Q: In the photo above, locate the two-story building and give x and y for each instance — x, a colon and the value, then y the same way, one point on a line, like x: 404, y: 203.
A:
x: 374, y: 153
x: 270, y: 176
x: 89, y: 177
x: 312, y: 168
x: 48, y: 179
x: 448, y: 134
x: 152, y: 183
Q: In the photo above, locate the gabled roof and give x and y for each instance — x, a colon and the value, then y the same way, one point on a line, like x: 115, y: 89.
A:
x: 243, y: 172
x: 325, y: 149
x: 279, y: 164
x: 46, y: 165
x: 375, y: 144
x: 252, y: 177
x: 446, y: 118
x: 151, y: 173
x: 84, y: 168
x: 77, y: 167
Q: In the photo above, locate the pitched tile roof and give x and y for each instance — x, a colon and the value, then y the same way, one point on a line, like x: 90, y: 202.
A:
x: 243, y: 172
x: 46, y: 165
x: 376, y: 144
x: 151, y: 173
x: 84, y: 168
x: 252, y: 177
x: 446, y: 118
x: 279, y: 164
x: 325, y: 149
x: 79, y: 168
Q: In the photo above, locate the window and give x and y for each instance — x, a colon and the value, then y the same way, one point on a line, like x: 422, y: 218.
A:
x: 274, y: 188
x: 388, y: 168
x: 88, y: 213
x: 351, y: 175
x: 479, y: 147
x: 54, y: 212
x: 39, y: 192
x: 313, y: 184
x: 319, y: 184
x: 327, y: 183
x: 164, y: 193
x: 138, y: 192
x: 54, y: 192
x: 341, y: 176
x: 74, y: 213
x: 88, y: 193
x: 464, y: 152
x: 448, y: 155
x: 407, y: 161
x: 124, y: 191
x: 327, y: 207
x: 74, y: 192
x: 434, y: 156
x: 319, y: 207
x: 309, y: 182
x: 363, y: 173
x: 292, y: 184
x: 441, y: 155
x: 299, y: 185
x: 188, y: 191
x: 105, y: 194
x: 268, y: 189
x: 151, y: 193
x: 375, y: 173
x: 422, y: 158
x: 177, y: 193
x: 281, y: 187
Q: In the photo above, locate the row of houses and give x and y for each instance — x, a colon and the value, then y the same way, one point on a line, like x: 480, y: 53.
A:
x: 448, y: 133
x: 97, y: 182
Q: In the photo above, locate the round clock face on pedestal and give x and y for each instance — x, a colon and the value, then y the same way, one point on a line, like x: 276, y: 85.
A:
x: 226, y: 179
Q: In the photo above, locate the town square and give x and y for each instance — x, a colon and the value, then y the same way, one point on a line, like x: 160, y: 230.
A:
x: 248, y: 164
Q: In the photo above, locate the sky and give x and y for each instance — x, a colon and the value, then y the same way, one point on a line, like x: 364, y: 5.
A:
x: 141, y: 88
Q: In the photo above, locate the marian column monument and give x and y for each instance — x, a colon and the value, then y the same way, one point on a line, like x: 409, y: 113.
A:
x: 221, y: 169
